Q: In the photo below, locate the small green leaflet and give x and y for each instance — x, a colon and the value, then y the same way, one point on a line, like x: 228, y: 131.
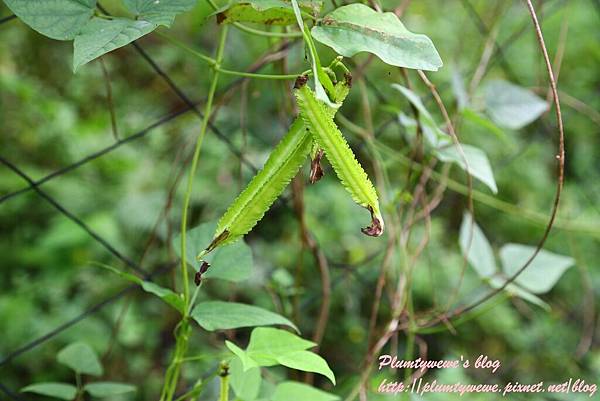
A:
x: 101, y: 36
x: 81, y: 358
x: 93, y: 37
x: 358, y: 28
x: 319, y: 121
x: 477, y: 161
x: 539, y: 277
x: 57, y: 19
x: 511, y: 106
x: 108, y: 389
x: 270, y: 347
x: 267, y: 12
x: 62, y: 391
x: 542, y: 274
x: 218, y: 315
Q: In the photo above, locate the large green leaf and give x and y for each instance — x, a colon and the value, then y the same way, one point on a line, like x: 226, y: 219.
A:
x: 159, y: 12
x: 108, y: 389
x: 63, y: 391
x: 512, y: 106
x: 358, y: 28
x: 218, y: 315
x: 268, y: 12
x: 101, y: 36
x: 307, y: 362
x: 294, y: 391
x: 245, y: 383
x: 475, y: 245
x: 57, y: 19
x: 543, y: 272
x: 267, y: 344
x: 81, y: 358
x: 270, y: 347
x: 232, y: 262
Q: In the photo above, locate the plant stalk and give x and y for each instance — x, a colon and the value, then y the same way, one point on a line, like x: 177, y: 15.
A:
x: 183, y: 329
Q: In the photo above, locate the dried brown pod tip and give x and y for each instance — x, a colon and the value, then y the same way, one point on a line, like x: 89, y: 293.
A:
x: 348, y: 78
x: 221, y: 17
x: 300, y: 81
x: 316, y: 171
x: 215, y: 242
x: 203, y: 269
x: 376, y: 227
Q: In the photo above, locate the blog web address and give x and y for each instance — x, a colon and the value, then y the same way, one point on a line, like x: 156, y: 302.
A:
x: 421, y: 387
x: 485, y: 363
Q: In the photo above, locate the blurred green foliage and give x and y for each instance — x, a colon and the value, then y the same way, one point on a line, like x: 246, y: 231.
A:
x: 52, y: 118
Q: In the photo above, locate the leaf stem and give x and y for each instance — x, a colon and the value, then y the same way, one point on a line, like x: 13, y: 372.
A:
x: 213, y: 63
x: 182, y: 331
x: 258, y: 32
x: 224, y: 375
x: 193, y: 168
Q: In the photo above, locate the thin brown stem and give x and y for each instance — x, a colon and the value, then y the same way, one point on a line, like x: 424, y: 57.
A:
x: 109, y: 99
x: 560, y: 157
x: 461, y: 152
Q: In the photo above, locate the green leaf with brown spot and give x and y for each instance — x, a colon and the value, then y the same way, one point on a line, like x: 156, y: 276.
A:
x: 267, y: 12
x: 358, y: 28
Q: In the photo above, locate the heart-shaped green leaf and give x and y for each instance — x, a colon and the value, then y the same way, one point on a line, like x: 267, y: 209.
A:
x: 307, y: 362
x: 81, y: 358
x: 57, y: 19
x: 512, y: 106
x: 218, y: 315
x: 270, y: 347
x: 108, y: 389
x: 101, y: 36
x: 358, y: 28
x: 543, y: 272
x: 63, y: 391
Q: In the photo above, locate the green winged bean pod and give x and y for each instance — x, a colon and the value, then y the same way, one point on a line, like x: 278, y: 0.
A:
x: 282, y: 165
x: 318, y: 118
